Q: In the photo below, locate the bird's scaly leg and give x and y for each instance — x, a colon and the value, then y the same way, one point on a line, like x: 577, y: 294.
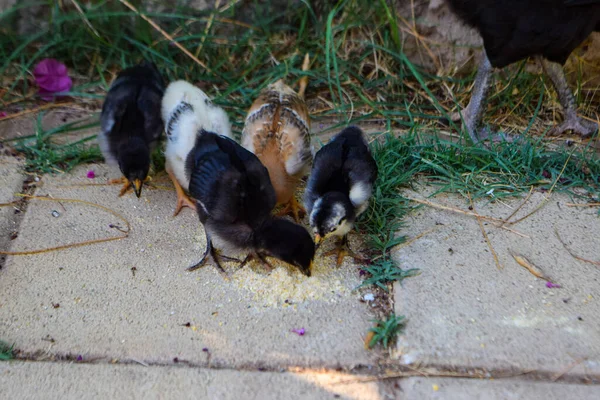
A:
x: 210, y: 255
x: 343, y: 250
x: 183, y: 200
x: 294, y: 208
x: 472, y: 116
x: 124, y: 181
x: 572, y: 122
x: 256, y: 256
x: 127, y: 185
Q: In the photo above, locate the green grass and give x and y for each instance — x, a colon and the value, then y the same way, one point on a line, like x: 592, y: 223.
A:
x: 44, y: 155
x: 6, y: 351
x: 386, y: 331
x: 504, y: 170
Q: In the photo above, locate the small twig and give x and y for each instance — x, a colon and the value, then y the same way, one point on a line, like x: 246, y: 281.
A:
x: 547, y: 197
x: 518, y: 208
x: 412, y: 240
x: 575, y: 256
x: 583, y: 205
x: 497, y: 221
x: 570, y: 367
x: 70, y: 245
x: 434, y: 374
x: 87, y: 21
x: 485, y: 236
x: 140, y: 362
x: 207, y: 29
x: 34, y: 110
x: 456, y: 210
x: 165, y: 34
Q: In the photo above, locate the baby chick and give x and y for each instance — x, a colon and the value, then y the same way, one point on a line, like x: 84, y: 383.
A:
x: 277, y: 130
x: 234, y: 200
x: 339, y: 188
x: 187, y: 110
x: 131, y: 123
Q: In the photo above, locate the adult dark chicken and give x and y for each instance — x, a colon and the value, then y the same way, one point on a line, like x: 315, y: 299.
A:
x: 131, y: 123
x: 234, y: 199
x: 513, y: 30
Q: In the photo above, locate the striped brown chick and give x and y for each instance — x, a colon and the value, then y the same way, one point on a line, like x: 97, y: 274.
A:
x: 277, y: 130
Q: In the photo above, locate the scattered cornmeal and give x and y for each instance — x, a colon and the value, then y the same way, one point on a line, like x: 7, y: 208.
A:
x: 285, y: 282
x: 435, y: 388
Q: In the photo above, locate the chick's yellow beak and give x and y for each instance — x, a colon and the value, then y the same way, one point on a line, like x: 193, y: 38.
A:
x: 137, y: 187
x: 318, y: 239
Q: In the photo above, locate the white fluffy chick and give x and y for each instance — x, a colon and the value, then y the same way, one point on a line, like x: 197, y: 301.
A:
x: 186, y: 111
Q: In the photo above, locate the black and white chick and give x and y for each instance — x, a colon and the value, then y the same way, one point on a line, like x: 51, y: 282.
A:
x: 234, y: 199
x: 187, y: 111
x: 131, y: 124
x: 339, y: 188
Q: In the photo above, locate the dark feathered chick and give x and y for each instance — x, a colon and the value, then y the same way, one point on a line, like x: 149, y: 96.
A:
x: 131, y: 122
x: 234, y: 199
x: 277, y: 130
x: 339, y: 187
x: 516, y: 29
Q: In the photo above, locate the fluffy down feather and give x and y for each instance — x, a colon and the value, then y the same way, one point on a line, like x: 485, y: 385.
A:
x: 187, y: 110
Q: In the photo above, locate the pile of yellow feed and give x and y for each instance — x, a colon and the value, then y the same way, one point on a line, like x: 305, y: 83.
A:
x: 286, y: 285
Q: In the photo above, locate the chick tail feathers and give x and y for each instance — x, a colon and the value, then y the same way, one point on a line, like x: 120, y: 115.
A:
x: 304, y: 80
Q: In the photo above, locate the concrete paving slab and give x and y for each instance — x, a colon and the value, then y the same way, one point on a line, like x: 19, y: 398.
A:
x: 465, y: 389
x: 133, y: 299
x: 465, y: 312
x: 11, y: 181
x: 17, y: 127
x: 45, y: 380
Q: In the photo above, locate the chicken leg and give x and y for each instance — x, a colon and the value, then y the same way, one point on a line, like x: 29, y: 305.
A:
x: 127, y: 185
x: 183, y: 200
x: 473, y: 114
x: 258, y: 257
x: 211, y: 255
x: 294, y: 208
x: 342, y: 250
x: 572, y: 122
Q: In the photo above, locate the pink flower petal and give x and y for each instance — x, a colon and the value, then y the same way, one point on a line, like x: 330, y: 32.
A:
x: 300, y: 331
x: 52, y: 77
x: 3, y: 114
x: 91, y: 174
x: 551, y: 285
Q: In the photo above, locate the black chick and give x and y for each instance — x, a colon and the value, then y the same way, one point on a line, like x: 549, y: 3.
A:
x: 131, y: 123
x: 339, y: 188
x: 234, y: 199
x: 516, y: 29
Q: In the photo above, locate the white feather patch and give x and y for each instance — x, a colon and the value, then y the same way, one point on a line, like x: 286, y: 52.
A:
x: 205, y: 115
x: 343, y: 228
x: 359, y: 196
x: 314, y: 211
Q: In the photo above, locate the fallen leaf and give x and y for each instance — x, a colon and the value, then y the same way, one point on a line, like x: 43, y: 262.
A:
x: 523, y: 262
x: 368, y: 339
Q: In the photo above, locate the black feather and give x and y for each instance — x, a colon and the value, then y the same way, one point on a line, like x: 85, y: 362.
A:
x: 516, y: 29
x: 343, y: 162
x: 131, y: 119
x: 235, y: 198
